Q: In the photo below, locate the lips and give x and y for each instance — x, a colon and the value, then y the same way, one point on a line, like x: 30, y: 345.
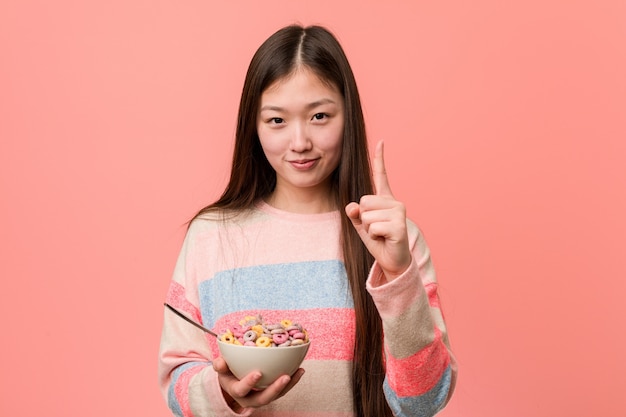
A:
x: 303, y: 164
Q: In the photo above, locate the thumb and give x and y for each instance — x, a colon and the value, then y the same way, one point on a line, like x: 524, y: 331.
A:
x: 353, y: 211
x: 219, y: 365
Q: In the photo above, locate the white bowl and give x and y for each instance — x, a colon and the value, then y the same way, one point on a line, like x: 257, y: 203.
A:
x: 272, y: 362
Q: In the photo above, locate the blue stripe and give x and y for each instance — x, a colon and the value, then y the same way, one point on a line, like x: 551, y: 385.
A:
x: 172, y: 401
x: 425, y: 405
x: 290, y: 286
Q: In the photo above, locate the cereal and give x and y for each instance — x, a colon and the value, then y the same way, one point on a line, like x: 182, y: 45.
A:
x: 253, y: 331
x: 258, y: 329
x: 264, y: 341
x: 280, y: 338
x: 299, y: 335
x: 227, y: 337
x: 238, y: 331
x: 250, y: 336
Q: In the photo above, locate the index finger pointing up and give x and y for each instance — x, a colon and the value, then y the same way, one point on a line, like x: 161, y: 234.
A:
x: 381, y: 183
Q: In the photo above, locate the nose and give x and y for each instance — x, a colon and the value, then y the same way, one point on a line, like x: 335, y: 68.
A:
x: 300, y: 141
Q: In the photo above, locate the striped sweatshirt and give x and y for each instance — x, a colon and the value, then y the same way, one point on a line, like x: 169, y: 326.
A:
x: 286, y: 265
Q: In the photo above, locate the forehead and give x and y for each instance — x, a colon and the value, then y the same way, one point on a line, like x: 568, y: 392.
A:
x: 301, y: 81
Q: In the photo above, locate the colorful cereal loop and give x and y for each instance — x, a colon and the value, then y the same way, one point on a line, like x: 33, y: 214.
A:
x: 228, y: 337
x: 264, y: 341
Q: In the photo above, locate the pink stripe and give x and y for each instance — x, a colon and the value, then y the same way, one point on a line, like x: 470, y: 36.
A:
x: 177, y: 299
x: 182, y: 389
x: 331, y: 330
x: 427, y: 366
x: 431, y: 292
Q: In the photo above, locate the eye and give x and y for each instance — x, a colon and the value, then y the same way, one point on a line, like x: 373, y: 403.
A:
x: 276, y: 120
x: 320, y: 116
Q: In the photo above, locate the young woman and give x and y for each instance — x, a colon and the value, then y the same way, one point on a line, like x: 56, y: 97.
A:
x: 306, y: 231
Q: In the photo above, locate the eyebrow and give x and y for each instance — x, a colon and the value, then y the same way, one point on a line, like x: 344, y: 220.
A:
x: 309, y: 106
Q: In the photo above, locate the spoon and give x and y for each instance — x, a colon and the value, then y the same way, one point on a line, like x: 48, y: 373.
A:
x: 179, y: 314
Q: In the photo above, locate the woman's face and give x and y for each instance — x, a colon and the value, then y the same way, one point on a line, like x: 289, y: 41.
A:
x: 300, y: 126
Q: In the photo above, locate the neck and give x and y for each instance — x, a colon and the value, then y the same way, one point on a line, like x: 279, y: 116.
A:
x: 302, y: 201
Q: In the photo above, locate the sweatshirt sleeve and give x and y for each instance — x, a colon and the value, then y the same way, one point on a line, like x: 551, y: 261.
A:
x: 186, y: 377
x: 419, y: 365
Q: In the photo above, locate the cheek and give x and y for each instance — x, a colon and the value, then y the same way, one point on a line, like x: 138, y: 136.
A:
x: 334, y: 147
x: 334, y: 141
x: 337, y: 157
x: 269, y: 144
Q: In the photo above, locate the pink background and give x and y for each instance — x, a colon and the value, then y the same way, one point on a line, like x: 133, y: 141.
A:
x: 505, y: 129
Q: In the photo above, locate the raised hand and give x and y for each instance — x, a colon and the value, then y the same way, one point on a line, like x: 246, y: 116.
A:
x: 380, y: 221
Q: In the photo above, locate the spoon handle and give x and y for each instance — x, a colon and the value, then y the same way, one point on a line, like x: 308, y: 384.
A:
x: 179, y: 314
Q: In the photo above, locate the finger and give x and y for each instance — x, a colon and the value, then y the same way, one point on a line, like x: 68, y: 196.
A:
x: 219, y: 365
x: 241, y: 388
x: 230, y: 383
x: 354, y: 213
x: 271, y: 392
x: 381, y: 183
x: 294, y: 380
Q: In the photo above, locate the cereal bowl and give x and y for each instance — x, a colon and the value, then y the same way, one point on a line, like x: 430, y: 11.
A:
x: 272, y: 362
